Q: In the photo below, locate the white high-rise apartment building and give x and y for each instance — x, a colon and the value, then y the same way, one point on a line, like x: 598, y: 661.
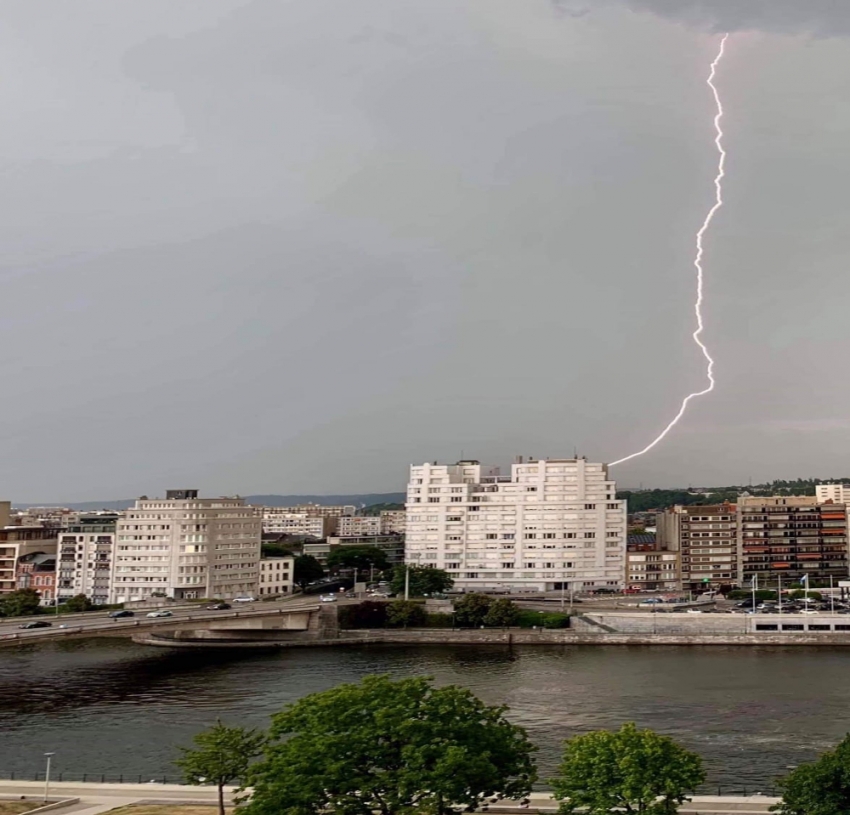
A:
x: 85, y: 558
x: 551, y: 524
x: 187, y: 547
x: 837, y: 493
x: 283, y: 521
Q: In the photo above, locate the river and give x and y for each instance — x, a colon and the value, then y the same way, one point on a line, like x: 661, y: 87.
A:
x: 111, y: 707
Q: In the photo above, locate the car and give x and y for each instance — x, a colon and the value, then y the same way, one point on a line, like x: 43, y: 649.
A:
x: 650, y: 601
x: 328, y: 598
x: 808, y: 611
x: 243, y: 600
x: 694, y: 611
x: 160, y: 613
x: 116, y: 615
x: 36, y: 624
x: 605, y: 591
x: 219, y: 607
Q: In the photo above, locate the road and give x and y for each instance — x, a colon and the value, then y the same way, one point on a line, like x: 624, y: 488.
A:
x: 100, y: 798
x: 97, y: 622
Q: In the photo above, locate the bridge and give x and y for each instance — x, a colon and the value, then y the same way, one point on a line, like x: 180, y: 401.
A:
x: 293, y: 620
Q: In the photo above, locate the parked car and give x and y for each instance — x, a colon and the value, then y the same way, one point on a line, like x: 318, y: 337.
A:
x: 123, y: 613
x: 651, y: 601
x: 328, y: 598
x: 219, y: 607
x: 160, y: 613
x: 605, y: 591
x: 243, y: 600
x: 809, y: 611
x: 36, y: 624
x: 694, y: 611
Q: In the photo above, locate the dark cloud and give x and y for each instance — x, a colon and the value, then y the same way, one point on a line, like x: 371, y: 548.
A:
x: 821, y: 18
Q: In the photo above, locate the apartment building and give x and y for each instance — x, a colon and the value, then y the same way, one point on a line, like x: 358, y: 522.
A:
x: 187, y: 547
x: 284, y: 521
x: 330, y: 511
x: 393, y: 522
x: 550, y: 524
x: 15, y: 543
x: 792, y: 536
x: 85, y: 558
x: 648, y: 567
x: 835, y: 493
x: 706, y: 539
x: 276, y: 576
x: 356, y: 526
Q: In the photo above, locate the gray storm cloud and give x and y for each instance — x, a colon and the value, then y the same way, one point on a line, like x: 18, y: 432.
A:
x: 821, y: 18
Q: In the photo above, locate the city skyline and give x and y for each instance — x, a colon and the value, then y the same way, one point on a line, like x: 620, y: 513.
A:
x: 400, y: 233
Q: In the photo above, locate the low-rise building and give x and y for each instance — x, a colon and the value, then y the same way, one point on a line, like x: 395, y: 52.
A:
x: 38, y: 571
x: 276, y: 576
x: 649, y: 568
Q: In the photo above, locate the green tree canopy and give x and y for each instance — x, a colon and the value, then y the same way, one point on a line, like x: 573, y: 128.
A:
x: 502, y: 614
x: 424, y: 580
x: 472, y: 609
x: 377, y: 509
x: 306, y: 569
x: 819, y: 788
x: 20, y: 603
x: 221, y: 756
x: 389, y: 747
x: 276, y: 550
x: 406, y: 613
x: 79, y: 602
x: 358, y: 558
x: 631, y: 771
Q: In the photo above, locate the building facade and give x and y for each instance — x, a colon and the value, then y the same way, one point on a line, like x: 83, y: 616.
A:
x: 85, y: 558
x: 393, y: 522
x: 835, y: 493
x: 550, y: 524
x: 276, y: 576
x: 706, y: 539
x: 187, y: 547
x: 791, y: 536
x: 283, y: 521
x: 38, y: 571
x: 648, y: 567
x: 18, y: 541
x: 356, y: 526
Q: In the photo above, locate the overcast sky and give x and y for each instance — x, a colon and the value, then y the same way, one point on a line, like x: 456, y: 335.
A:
x: 295, y: 245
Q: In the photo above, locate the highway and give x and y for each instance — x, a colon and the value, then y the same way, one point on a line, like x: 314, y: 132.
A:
x: 97, y: 622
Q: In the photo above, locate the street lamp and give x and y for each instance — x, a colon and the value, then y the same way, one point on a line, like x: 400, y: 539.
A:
x: 48, y: 756
x: 407, y: 575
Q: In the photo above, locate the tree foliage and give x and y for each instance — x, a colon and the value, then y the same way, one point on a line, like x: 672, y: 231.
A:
x: 368, y: 614
x: 819, y: 788
x: 377, y: 509
x: 502, y: 614
x: 20, y: 603
x: 305, y: 570
x: 389, y: 747
x: 358, y: 558
x: 424, y: 580
x: 799, y: 594
x: 631, y: 771
x: 221, y: 756
x: 79, y: 602
x: 276, y: 550
x: 406, y: 613
x: 471, y: 610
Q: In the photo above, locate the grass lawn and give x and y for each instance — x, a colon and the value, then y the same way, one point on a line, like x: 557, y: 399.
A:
x: 17, y: 807
x: 167, y: 809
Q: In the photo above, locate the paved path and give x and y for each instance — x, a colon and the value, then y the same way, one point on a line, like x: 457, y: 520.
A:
x: 101, y: 798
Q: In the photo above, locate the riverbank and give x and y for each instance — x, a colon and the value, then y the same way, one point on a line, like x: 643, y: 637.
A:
x: 509, y: 637
x: 93, y: 799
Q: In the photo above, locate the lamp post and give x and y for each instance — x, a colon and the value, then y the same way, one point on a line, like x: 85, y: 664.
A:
x: 407, y: 575
x: 48, y: 756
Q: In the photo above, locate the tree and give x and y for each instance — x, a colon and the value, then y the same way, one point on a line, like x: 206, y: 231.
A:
x: 632, y: 771
x: 276, y: 550
x: 501, y: 614
x: 222, y: 756
x: 821, y: 787
x: 799, y: 594
x: 389, y: 747
x: 406, y: 612
x: 471, y: 610
x: 377, y: 509
x: 358, y: 558
x: 424, y: 580
x: 79, y: 602
x: 20, y: 603
x: 305, y: 570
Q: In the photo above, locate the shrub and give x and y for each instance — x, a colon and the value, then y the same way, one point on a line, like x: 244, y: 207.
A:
x: 543, y: 619
x: 440, y: 621
x: 368, y: 614
x: 405, y: 613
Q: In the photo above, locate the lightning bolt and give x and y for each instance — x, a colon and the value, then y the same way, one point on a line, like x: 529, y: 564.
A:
x: 718, y: 202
